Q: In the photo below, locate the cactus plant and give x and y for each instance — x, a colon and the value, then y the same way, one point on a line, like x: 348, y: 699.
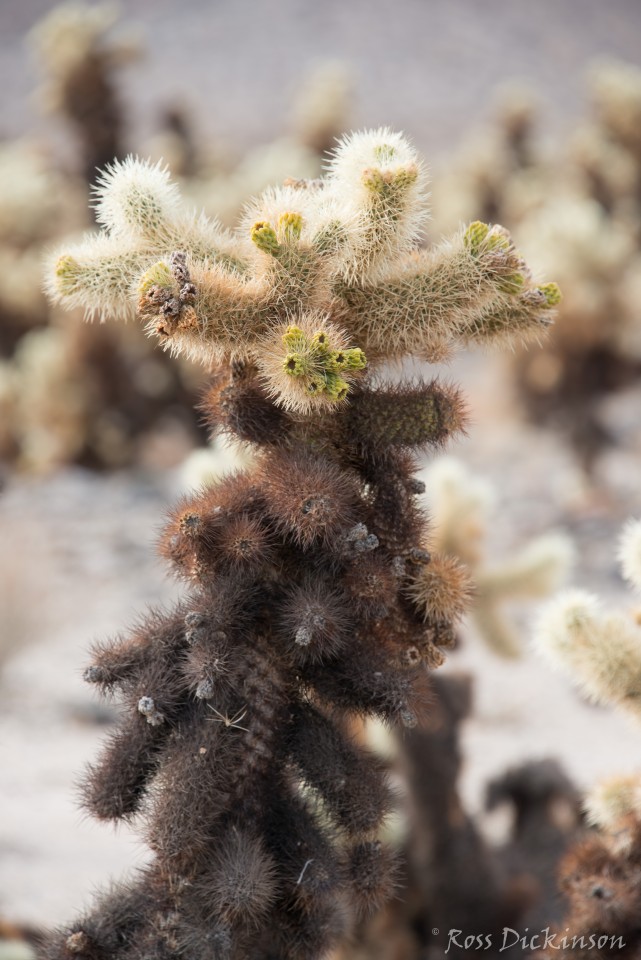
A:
x: 577, y: 209
x: 601, y: 650
x: 302, y: 609
x: 80, y: 53
x: 602, y: 653
x: 461, y: 511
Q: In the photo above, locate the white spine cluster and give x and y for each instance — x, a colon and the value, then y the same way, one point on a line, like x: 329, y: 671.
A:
x: 600, y: 650
x: 612, y: 800
x: 630, y: 553
x: 343, y: 249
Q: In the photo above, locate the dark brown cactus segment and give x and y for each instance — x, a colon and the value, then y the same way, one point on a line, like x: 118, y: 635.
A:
x: 236, y: 703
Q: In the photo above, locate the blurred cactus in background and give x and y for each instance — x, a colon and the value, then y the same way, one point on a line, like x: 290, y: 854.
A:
x: 36, y: 205
x: 322, y: 106
x: 308, y: 603
x: 81, y: 54
x: 71, y: 393
x: 320, y: 112
x: 580, y: 211
x: 601, y: 652
x: 461, y: 505
x: 115, y: 402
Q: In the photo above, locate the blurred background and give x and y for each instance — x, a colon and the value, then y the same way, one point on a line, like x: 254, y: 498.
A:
x: 528, y: 115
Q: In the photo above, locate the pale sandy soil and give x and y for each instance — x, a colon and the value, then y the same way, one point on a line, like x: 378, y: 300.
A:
x: 77, y: 554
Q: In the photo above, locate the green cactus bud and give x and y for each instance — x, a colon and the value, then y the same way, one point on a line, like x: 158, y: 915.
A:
x: 475, y: 235
x: 384, y: 152
x: 552, y: 293
x: 290, y: 226
x: 316, y: 385
x: 386, y: 182
x: 294, y: 339
x: 335, y: 386
x: 296, y: 365
x: 312, y: 360
x: 355, y: 359
x: 406, y: 177
x: 375, y: 180
x: 320, y: 344
x: 158, y: 275
x: 264, y: 236
x: 497, y: 239
x: 512, y: 283
x: 66, y: 272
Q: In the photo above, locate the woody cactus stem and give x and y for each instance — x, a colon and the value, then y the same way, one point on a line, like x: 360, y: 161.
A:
x: 262, y: 815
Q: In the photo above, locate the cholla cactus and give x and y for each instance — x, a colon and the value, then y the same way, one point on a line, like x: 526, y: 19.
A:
x: 496, y: 169
x: 602, y: 653
x: 616, y: 97
x: 607, y: 149
x: 579, y: 210
x: 601, y: 650
x: 461, y: 505
x: 30, y: 207
x: 76, y: 45
x: 94, y: 396
x: 321, y: 108
x: 223, y: 193
x: 262, y: 815
x: 600, y: 879
x: 596, y: 347
x: 36, y: 204
x: 322, y: 279
x: 318, y: 117
x: 594, y: 237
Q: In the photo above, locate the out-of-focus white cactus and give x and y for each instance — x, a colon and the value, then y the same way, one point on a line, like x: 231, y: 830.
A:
x: 599, y: 649
x: 462, y: 504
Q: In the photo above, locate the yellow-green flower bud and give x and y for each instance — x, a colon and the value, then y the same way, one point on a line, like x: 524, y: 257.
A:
x: 355, y: 359
x: 384, y: 152
x: 290, y: 226
x: 296, y: 365
x: 158, y: 275
x: 67, y: 269
x: 335, y: 386
x: 512, y: 283
x: 320, y: 344
x: 475, y: 235
x: 264, y: 236
x: 552, y: 293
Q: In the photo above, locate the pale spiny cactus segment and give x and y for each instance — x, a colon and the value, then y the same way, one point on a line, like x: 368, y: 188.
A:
x: 601, y: 652
x: 599, y: 649
x: 462, y: 506
x: 336, y: 259
x: 612, y: 800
